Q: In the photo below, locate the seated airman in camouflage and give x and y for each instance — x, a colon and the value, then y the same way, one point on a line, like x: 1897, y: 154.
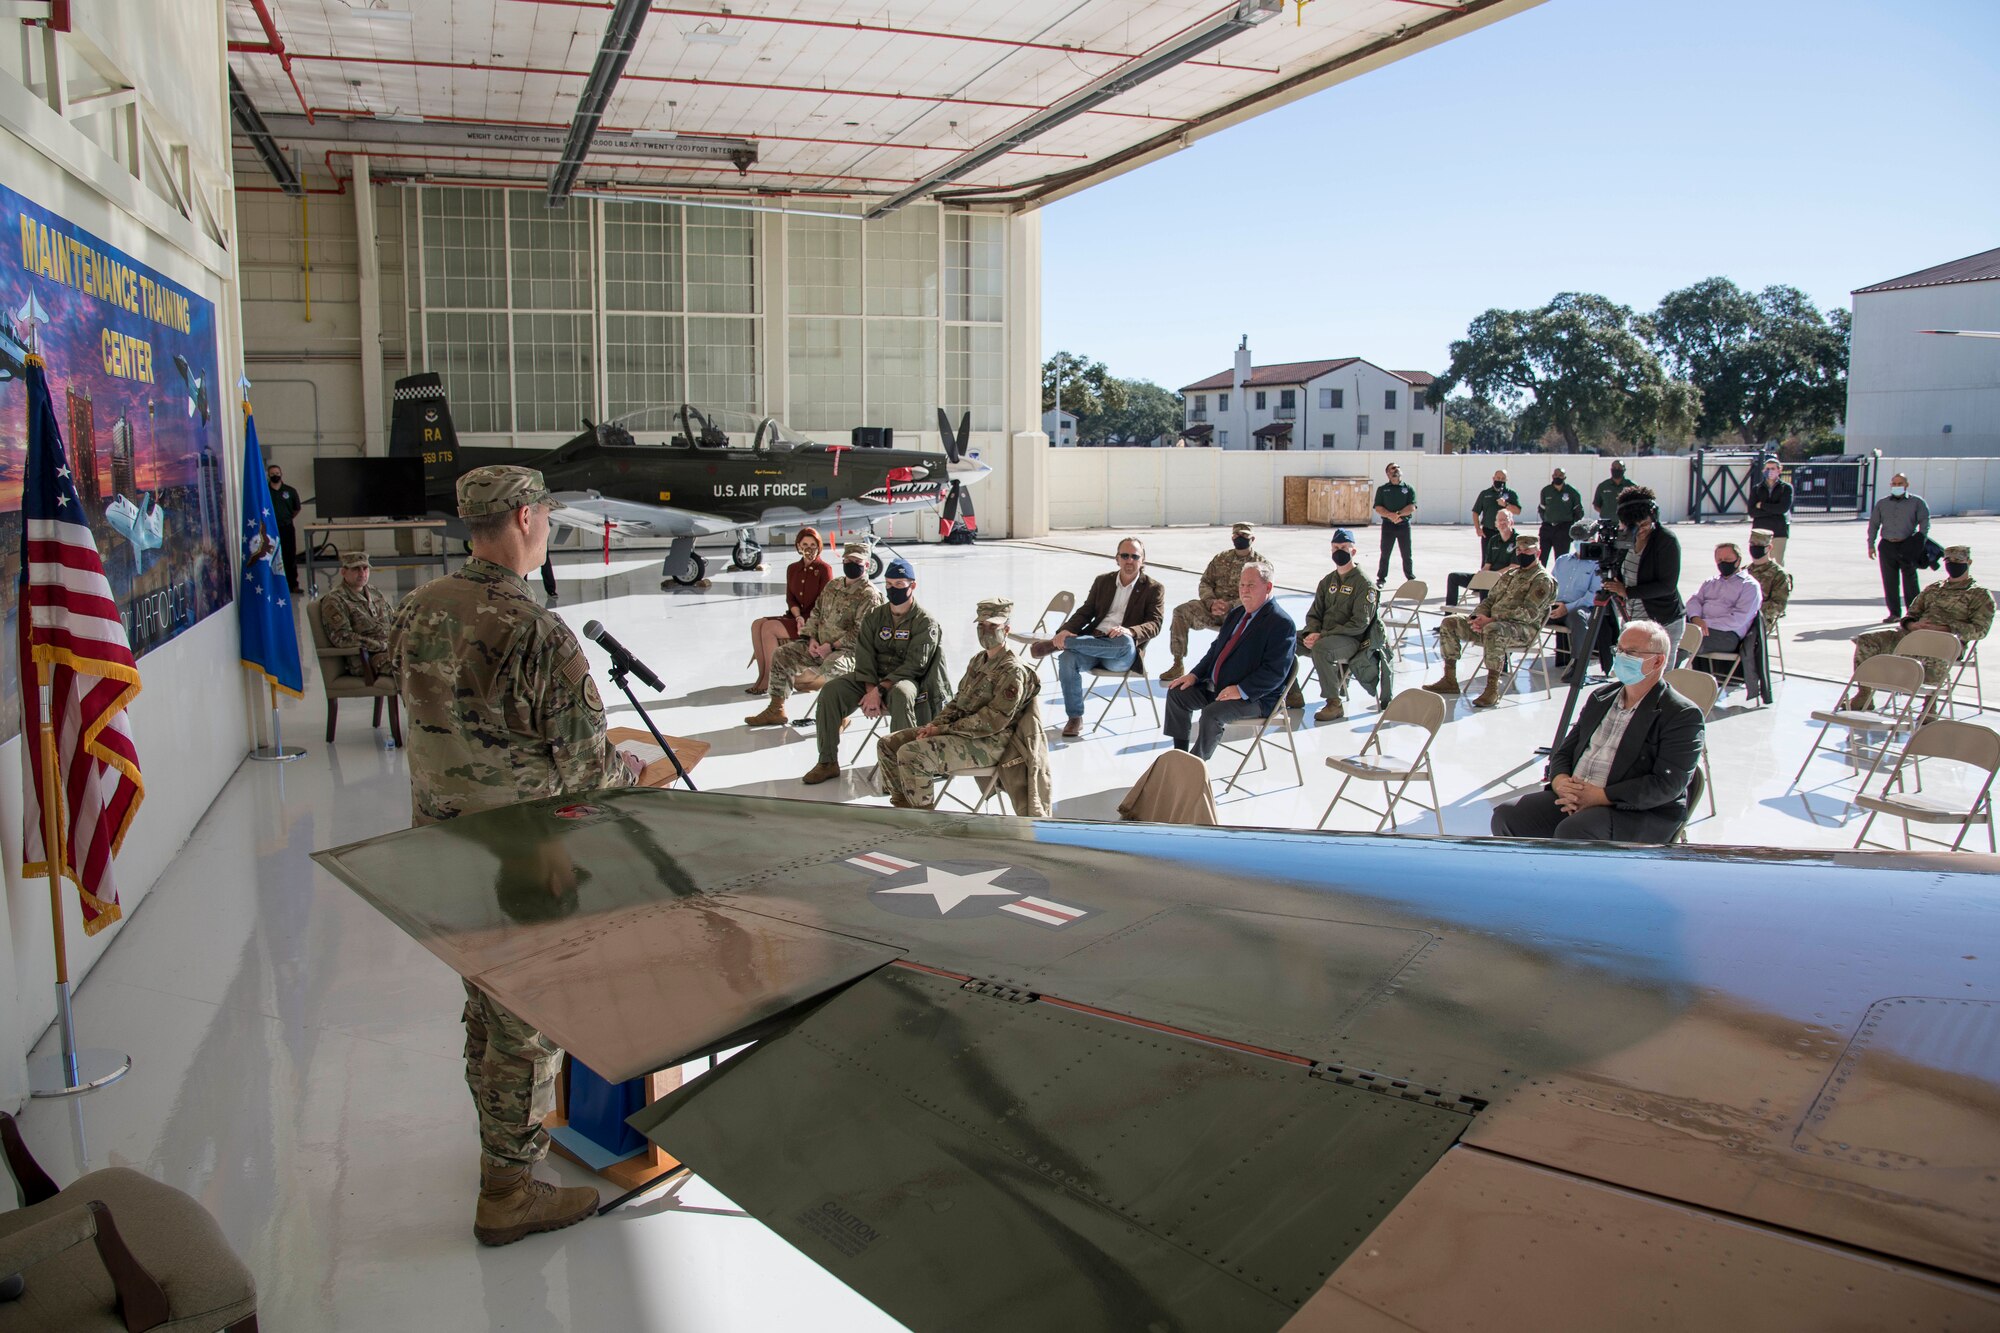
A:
x: 825, y: 648
x: 1218, y: 595
x: 973, y: 730
x: 1771, y: 576
x: 1509, y: 618
x: 357, y: 616
x: 1954, y: 604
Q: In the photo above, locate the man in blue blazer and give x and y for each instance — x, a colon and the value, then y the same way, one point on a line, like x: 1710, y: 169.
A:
x: 1246, y: 669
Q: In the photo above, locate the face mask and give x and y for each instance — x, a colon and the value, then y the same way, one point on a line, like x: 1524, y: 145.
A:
x: 897, y: 596
x: 991, y: 636
x: 1241, y: 543
x: 1499, y: 483
x: 1525, y: 558
x: 1559, y: 479
x: 1759, y: 552
x: 1343, y: 558
x: 1899, y: 491
x: 1954, y: 570
x: 1725, y: 567
x: 1630, y: 670
x: 851, y: 569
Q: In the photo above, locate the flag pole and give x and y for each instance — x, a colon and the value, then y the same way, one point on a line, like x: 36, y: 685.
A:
x: 70, y: 1071
x: 277, y: 751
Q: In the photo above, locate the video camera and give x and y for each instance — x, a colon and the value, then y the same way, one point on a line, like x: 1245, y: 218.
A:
x: 1608, y: 544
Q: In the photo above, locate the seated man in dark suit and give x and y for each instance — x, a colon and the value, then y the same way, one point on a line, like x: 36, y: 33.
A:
x: 1622, y: 772
x: 1246, y: 669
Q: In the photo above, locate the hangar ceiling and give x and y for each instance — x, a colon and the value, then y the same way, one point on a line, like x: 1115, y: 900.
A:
x: 1000, y: 104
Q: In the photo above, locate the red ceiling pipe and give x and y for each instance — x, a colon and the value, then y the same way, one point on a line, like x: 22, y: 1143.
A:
x: 1013, y: 43
x: 274, y: 45
x: 706, y: 83
x: 352, y: 113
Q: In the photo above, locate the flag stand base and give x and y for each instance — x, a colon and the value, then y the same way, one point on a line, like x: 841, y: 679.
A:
x: 277, y: 752
x: 69, y: 1071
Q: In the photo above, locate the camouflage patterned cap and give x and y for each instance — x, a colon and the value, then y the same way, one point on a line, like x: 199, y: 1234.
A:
x: 1760, y: 536
x: 1958, y: 555
x: 1527, y: 541
x: 354, y: 560
x: 995, y: 611
x: 1241, y: 529
x: 495, y: 490
x: 855, y: 551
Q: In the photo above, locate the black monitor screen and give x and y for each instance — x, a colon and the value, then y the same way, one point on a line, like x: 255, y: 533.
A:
x: 368, y: 487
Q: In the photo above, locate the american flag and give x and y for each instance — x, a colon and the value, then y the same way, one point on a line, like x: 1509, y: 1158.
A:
x: 70, y: 625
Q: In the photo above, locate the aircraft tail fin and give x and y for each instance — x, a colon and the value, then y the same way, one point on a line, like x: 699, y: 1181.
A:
x: 420, y: 427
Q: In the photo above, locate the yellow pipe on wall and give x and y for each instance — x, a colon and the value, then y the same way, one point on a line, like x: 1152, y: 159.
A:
x: 305, y: 240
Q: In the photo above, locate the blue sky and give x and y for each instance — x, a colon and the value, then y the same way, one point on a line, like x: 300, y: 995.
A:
x: 1626, y: 147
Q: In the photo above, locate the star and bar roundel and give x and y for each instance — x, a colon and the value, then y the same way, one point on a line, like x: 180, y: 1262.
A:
x: 960, y: 890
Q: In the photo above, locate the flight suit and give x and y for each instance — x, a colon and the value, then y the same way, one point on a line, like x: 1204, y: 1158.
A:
x: 1343, y: 615
x: 977, y: 726
x: 898, y: 653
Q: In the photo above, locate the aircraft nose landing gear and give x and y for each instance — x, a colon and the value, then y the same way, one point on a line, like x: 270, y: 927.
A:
x: 747, y: 554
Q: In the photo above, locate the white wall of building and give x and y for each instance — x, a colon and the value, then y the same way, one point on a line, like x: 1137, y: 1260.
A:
x: 1904, y: 387
x: 1060, y: 427
x: 1362, y: 392
x: 191, y: 722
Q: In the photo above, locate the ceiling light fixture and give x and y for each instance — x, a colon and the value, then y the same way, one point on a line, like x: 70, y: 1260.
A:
x: 709, y: 36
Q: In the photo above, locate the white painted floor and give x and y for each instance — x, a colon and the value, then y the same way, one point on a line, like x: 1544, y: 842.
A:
x: 296, y: 1057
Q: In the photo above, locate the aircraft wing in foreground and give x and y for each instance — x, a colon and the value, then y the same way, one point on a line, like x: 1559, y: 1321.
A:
x: 1018, y: 1074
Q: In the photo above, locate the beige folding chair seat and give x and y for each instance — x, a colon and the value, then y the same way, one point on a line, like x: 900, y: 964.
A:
x: 1401, y: 617
x: 1941, y: 646
x: 985, y: 777
x: 1892, y: 677
x: 1418, y: 708
x: 1957, y: 742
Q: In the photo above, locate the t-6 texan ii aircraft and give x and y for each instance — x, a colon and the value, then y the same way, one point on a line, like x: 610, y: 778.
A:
x: 1014, y: 1074
x: 685, y: 474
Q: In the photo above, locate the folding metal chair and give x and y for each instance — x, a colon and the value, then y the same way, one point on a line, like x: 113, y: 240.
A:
x: 986, y: 778
x: 1060, y: 607
x: 1968, y: 668
x: 1774, y: 639
x: 1401, y: 616
x: 1700, y: 690
x: 1418, y: 708
x: 1956, y: 742
x: 1937, y: 644
x: 1893, y: 678
x: 1124, y: 691
x: 1280, y: 721
x: 1690, y: 640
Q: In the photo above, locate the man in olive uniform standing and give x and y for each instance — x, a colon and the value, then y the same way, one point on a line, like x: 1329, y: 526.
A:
x: 1396, y: 506
x: 1561, y: 507
x: 285, y: 507
x: 898, y: 667
x: 1955, y: 604
x: 825, y: 646
x: 973, y: 730
x: 1339, y: 626
x: 1486, y: 506
x: 357, y: 616
x: 1510, y: 618
x: 502, y: 709
x: 1605, y: 500
x: 1771, y: 576
x: 1218, y: 595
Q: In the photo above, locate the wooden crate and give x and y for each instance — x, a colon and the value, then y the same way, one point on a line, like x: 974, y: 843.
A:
x: 1322, y: 502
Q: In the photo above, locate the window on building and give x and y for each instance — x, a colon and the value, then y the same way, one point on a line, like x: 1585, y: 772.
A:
x: 1388, y: 439
x: 1222, y: 402
x: 1260, y: 400
x: 1326, y: 440
x: 1288, y: 398
x: 1361, y: 425
x: 1388, y: 400
x: 1201, y: 402
x: 1222, y: 438
x: 1417, y: 440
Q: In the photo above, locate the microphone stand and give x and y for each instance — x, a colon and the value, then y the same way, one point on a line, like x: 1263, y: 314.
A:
x: 618, y: 678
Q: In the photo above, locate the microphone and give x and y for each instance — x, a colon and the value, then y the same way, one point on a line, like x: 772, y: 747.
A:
x: 621, y: 656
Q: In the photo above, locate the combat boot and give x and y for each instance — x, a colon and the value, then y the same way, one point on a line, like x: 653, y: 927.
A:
x: 1295, y: 698
x: 772, y: 716
x: 1174, y: 671
x: 1448, y: 682
x: 513, y: 1204
x: 1489, y: 696
x: 898, y: 801
x: 819, y: 773
x: 1331, y: 711
x: 1861, y: 701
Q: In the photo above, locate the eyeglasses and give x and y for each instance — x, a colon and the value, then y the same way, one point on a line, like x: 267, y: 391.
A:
x: 1128, y: 555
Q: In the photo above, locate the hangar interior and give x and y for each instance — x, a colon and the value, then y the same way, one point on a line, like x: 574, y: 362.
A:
x: 827, y: 213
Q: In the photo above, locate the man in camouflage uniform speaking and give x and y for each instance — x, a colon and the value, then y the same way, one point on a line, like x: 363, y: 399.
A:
x: 1511, y: 617
x: 1954, y: 604
x: 357, y: 616
x: 502, y: 709
x: 973, y: 730
x: 1218, y: 595
x: 825, y: 646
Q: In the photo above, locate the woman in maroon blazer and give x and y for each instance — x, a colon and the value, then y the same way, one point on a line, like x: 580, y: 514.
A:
x: 803, y: 582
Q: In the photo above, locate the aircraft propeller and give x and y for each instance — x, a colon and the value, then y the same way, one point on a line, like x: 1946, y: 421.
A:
x: 958, y: 498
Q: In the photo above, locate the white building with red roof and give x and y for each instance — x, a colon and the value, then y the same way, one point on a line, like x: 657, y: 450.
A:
x: 1338, y: 403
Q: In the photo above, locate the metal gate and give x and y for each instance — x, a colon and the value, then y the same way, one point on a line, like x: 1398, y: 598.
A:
x: 1719, y: 483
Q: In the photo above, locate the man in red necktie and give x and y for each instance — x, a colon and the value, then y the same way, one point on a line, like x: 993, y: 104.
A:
x: 1245, y: 672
